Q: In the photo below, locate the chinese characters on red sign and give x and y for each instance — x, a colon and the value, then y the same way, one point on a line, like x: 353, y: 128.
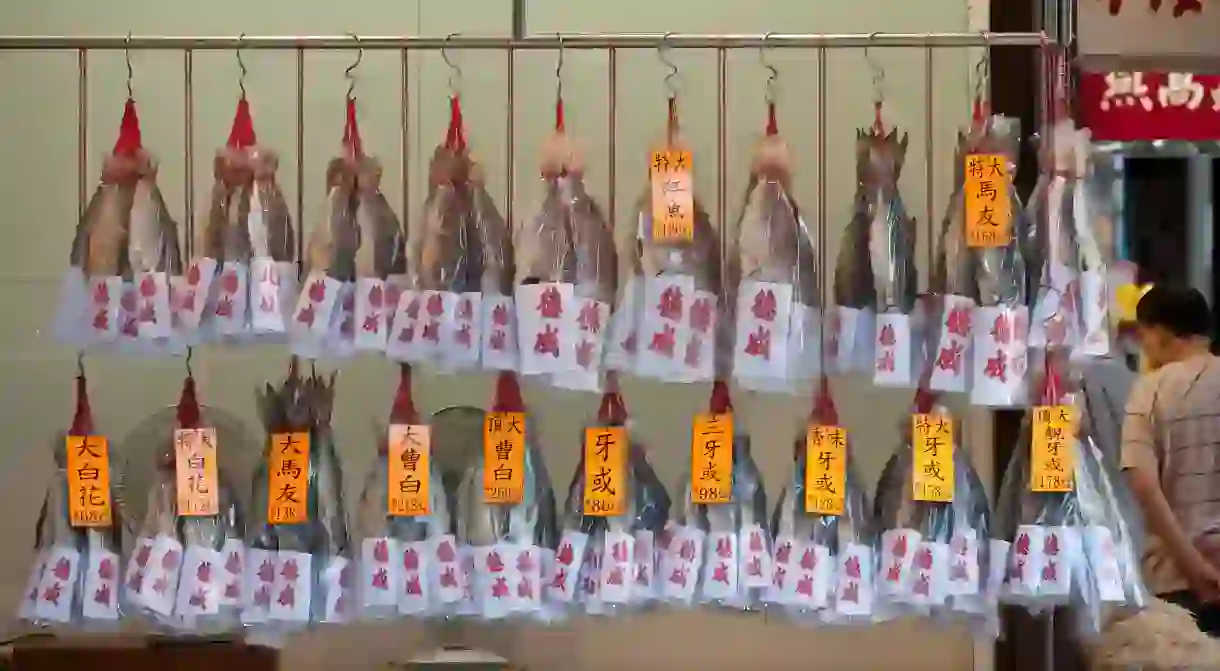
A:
x: 1142, y: 106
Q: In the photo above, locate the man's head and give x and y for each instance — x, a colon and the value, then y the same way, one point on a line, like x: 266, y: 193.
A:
x: 1172, y: 323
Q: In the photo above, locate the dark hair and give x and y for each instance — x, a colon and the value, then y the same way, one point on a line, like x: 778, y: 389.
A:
x: 1183, y: 311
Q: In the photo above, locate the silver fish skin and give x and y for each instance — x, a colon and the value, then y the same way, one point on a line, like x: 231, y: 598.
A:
x: 546, y: 243
x: 774, y: 243
x: 496, y: 242
x: 592, y: 241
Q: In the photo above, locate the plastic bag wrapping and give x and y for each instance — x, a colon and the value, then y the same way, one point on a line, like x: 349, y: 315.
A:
x: 458, y: 310
x: 567, y: 274
x: 324, y: 319
x: 298, y: 565
x: 1080, y: 547
x: 935, y: 557
x: 125, y: 256
x: 778, y: 311
x: 824, y: 564
x: 409, y: 563
x: 185, y: 570
x: 242, y: 281
x: 878, y: 319
x: 507, y: 547
x: 670, y: 321
x: 983, y: 320
x: 720, y: 553
x: 74, y: 579
x: 606, y: 565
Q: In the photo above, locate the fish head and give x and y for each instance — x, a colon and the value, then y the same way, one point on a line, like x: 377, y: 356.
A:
x: 127, y: 169
x: 263, y: 163
x: 233, y: 167
x: 368, y: 175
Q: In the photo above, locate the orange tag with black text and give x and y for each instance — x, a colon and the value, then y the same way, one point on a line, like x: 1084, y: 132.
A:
x: 1052, y: 458
x: 711, y: 467
x: 605, y: 492
x: 932, y: 472
x: 195, y: 463
x: 673, y: 200
x: 410, y: 466
x: 504, y: 457
x: 988, y: 208
x: 89, y: 503
x: 825, y: 469
x: 288, y: 472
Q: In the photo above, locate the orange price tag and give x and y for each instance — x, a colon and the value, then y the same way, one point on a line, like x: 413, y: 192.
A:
x: 504, y: 457
x: 825, y: 469
x: 288, y: 493
x: 195, y: 451
x: 1052, y: 457
x: 605, y: 471
x: 711, y: 457
x: 410, y: 466
x: 932, y: 473
x: 89, y: 502
x: 988, y: 208
x: 673, y: 200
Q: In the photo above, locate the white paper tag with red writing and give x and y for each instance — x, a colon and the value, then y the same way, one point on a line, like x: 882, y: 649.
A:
x: 546, y: 326
x: 783, y: 573
x: 1055, y: 311
x: 618, y: 554
x: 229, y: 312
x: 720, y: 569
x: 292, y: 591
x: 137, y: 568
x: 272, y: 291
x: 461, y: 331
x: 590, y: 577
x: 588, y: 345
x: 930, y: 574
x: 337, y: 583
x: 527, y: 585
x: 1103, y: 558
x: 468, y: 579
x: 372, y: 314
x: 406, y: 341
x: 856, y: 341
x: 340, y: 338
x: 1000, y: 356
x: 755, y: 561
x: 764, y: 313
x: 1025, y: 561
x: 805, y: 342
x: 159, y: 590
x: 73, y: 309
x: 963, y: 573
x: 129, y: 322
x: 156, y: 319
x: 57, y: 586
x: 197, y: 302
x: 1061, y: 551
x: 394, y: 286
x: 621, y: 337
x: 951, y: 362
x: 316, y: 305
x: 448, y: 563
x: 496, y: 568
x: 682, y: 564
x: 854, y: 581
x: 644, y: 586
x: 380, y: 573
x: 549, y: 611
x: 1094, y: 314
x: 259, y: 576
x: 499, y: 333
x: 33, y: 584
x: 100, y: 599
x: 897, y: 559
x: 894, y: 364
x: 564, y: 578
x: 665, y: 328
x: 414, y: 592
x: 232, y: 571
x: 199, y: 587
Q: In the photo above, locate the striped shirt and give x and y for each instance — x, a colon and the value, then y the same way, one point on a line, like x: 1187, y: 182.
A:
x: 1172, y: 428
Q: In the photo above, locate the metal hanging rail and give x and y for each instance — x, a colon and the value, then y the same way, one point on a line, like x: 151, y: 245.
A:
x: 568, y: 41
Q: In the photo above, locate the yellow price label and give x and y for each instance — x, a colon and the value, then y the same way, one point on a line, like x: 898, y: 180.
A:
x: 1052, y: 457
x: 195, y: 464
x: 825, y: 469
x: 504, y: 457
x: 988, y: 207
x: 1126, y: 298
x: 673, y: 200
x: 89, y: 503
x: 288, y: 495
x: 711, y: 459
x: 605, y: 491
x: 410, y: 456
x: 932, y: 473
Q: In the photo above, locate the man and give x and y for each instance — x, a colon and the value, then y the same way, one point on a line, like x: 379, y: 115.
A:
x: 1171, y: 451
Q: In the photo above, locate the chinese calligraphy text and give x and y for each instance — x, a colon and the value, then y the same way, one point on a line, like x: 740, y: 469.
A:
x: 410, y: 464
x: 1137, y: 106
x: 195, y: 463
x: 932, y: 462
x: 711, y: 459
x: 504, y: 457
x: 825, y: 469
x: 1052, y: 457
x: 988, y: 208
x: 605, y: 492
x: 288, y: 493
x: 673, y: 202
x: 89, y: 481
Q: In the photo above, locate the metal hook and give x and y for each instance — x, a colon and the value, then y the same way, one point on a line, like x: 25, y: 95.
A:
x: 130, y: 72
x: 80, y: 364
x: 877, y: 70
x: 773, y: 73
x: 663, y: 52
x: 351, y: 69
x: 455, y: 72
x: 241, y: 81
x: 982, y: 69
x: 190, y: 353
x: 559, y: 69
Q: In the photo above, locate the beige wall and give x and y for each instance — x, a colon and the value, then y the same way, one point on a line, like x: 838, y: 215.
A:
x: 38, y: 198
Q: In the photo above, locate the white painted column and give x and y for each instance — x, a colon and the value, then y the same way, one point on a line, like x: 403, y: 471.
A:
x: 1199, y: 223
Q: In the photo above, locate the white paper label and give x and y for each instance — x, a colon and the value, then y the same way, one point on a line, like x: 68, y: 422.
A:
x: 897, y: 557
x: 57, y: 588
x: 764, y: 313
x: 1000, y: 356
x: 546, y: 323
x: 380, y: 572
x: 564, y: 579
x: 100, y: 598
x: 854, y: 592
x: 951, y: 360
x: 200, y: 587
x: 682, y: 564
x: 415, y: 588
x: 292, y: 590
x: 372, y: 314
x: 720, y: 570
x: 499, y: 333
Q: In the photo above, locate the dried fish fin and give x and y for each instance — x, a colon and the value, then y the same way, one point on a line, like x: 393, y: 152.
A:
x: 495, y: 237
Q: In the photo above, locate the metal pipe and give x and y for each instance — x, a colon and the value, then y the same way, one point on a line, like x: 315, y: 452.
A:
x: 570, y: 41
x: 82, y: 130
x: 827, y: 297
x: 519, y: 19
x: 301, y: 164
x: 188, y: 149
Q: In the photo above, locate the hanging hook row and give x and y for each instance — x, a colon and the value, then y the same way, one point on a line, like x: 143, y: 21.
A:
x: 664, y: 53
x: 241, y: 65
x: 772, y: 72
x: 455, y: 72
x: 130, y: 72
x: 559, y: 69
x: 350, y: 72
x: 877, y: 71
x: 982, y: 69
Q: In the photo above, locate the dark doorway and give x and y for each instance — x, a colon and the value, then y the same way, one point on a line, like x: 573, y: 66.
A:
x: 1155, y: 201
